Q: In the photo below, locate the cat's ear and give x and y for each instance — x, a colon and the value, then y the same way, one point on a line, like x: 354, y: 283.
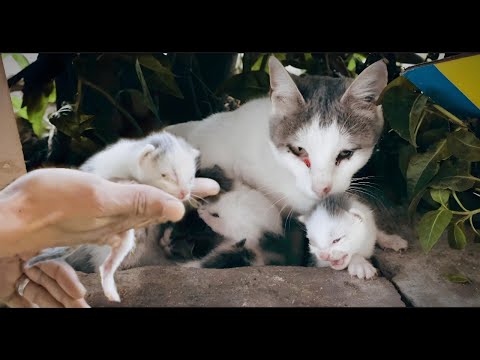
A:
x: 357, y: 214
x: 286, y: 97
x: 302, y: 219
x: 369, y: 84
x: 146, y: 151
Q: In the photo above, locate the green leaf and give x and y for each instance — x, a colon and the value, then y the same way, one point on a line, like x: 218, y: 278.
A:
x: 414, y: 203
x: 458, y: 279
x: 163, y: 75
x: 454, y: 175
x: 404, y: 155
x: 431, y: 136
x: 464, y: 145
x: 416, y: 117
x: 146, y: 92
x: 423, y: 167
x: 258, y: 63
x: 431, y: 227
x: 397, y: 103
x: 36, y: 101
x: 21, y: 60
x: 17, y: 107
x: 441, y: 196
x: 247, y: 85
x: 398, y: 82
x: 456, y: 236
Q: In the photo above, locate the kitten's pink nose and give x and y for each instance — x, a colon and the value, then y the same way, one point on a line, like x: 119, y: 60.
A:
x: 327, y: 189
x: 183, y: 194
x: 324, y: 256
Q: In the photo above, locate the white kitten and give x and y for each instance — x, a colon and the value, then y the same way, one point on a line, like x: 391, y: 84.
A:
x: 161, y: 160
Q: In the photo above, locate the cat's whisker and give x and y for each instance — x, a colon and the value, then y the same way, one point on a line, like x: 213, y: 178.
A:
x: 196, y: 197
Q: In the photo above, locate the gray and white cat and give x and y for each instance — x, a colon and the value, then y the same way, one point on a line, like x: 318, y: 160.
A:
x: 303, y: 142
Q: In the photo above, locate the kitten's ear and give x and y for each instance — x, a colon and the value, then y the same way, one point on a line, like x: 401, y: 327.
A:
x: 286, y: 97
x: 241, y: 243
x: 195, y: 152
x: 357, y: 214
x: 369, y: 84
x: 146, y: 152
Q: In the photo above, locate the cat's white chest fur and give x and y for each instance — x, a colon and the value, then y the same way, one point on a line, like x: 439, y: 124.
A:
x: 222, y: 141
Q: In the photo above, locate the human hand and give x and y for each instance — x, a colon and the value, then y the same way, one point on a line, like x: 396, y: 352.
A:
x: 51, y: 284
x: 64, y: 207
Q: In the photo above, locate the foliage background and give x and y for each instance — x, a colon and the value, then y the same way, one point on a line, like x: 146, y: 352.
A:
x: 427, y: 157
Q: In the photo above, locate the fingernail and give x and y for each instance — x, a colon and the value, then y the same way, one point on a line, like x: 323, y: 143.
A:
x: 174, y: 210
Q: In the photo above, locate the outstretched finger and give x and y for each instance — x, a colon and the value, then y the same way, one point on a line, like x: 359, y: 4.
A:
x: 143, y: 201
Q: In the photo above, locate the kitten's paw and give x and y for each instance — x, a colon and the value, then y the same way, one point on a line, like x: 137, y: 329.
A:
x: 165, y: 240
x: 362, y: 269
x: 108, y: 285
x: 192, y: 264
x: 112, y: 295
x: 394, y: 242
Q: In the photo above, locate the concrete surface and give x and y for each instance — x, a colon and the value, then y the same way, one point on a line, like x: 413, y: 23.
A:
x: 171, y: 286
x: 422, y: 278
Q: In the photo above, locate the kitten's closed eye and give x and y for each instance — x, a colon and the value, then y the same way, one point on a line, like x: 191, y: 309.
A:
x: 344, y: 155
x: 215, y: 215
x: 337, y: 240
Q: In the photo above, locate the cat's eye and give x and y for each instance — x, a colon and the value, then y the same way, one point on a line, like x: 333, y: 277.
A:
x: 297, y: 150
x: 215, y: 215
x: 343, y: 155
x: 336, y: 240
x: 164, y: 175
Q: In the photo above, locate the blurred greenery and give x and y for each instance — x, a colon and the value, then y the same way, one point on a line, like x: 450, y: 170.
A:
x: 427, y: 157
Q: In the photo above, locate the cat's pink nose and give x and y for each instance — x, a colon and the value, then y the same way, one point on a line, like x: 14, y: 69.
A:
x: 321, y: 190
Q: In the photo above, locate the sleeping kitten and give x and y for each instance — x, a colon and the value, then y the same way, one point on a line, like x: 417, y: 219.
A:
x: 342, y: 233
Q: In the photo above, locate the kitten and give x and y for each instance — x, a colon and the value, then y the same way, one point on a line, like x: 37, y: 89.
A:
x: 342, y: 233
x: 160, y: 160
x: 246, y: 220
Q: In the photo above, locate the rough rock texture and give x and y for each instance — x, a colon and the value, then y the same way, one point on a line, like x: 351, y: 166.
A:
x: 167, y: 286
x: 423, y: 278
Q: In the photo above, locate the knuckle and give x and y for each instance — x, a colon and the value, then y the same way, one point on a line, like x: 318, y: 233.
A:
x: 140, y: 203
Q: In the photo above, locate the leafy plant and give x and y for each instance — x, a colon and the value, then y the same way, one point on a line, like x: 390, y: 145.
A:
x: 440, y: 155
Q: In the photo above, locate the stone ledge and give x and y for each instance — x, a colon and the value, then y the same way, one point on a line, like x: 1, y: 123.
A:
x: 171, y: 286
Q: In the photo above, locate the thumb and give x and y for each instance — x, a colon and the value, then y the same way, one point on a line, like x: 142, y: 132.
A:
x: 143, y: 201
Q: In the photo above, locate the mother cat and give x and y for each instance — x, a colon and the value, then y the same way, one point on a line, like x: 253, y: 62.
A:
x: 306, y: 140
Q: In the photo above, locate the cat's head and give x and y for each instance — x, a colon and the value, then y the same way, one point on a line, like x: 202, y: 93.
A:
x: 324, y: 129
x: 336, y: 230
x: 169, y: 163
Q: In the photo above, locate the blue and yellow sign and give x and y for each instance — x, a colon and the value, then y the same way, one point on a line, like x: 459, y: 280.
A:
x: 453, y: 83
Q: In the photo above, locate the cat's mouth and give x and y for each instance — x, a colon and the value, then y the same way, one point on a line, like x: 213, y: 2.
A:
x: 340, y: 264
